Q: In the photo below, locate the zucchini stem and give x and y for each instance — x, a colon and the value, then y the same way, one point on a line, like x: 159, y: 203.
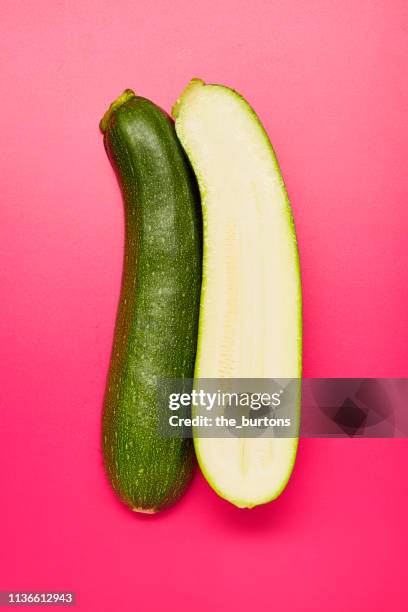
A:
x: 127, y: 95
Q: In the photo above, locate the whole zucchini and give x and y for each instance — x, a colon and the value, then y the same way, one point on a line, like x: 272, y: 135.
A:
x: 156, y: 326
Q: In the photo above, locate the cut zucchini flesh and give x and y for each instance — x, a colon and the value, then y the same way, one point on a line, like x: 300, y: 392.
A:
x: 250, y: 312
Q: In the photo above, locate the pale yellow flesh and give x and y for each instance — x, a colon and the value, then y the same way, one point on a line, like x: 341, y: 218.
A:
x: 251, y: 299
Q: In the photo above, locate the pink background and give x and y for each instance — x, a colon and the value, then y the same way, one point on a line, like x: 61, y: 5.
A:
x: 329, y: 81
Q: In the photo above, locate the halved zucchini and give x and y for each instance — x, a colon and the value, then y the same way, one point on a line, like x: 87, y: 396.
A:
x: 250, y: 313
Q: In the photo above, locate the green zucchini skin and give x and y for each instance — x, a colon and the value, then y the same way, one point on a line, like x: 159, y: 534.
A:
x: 156, y: 325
